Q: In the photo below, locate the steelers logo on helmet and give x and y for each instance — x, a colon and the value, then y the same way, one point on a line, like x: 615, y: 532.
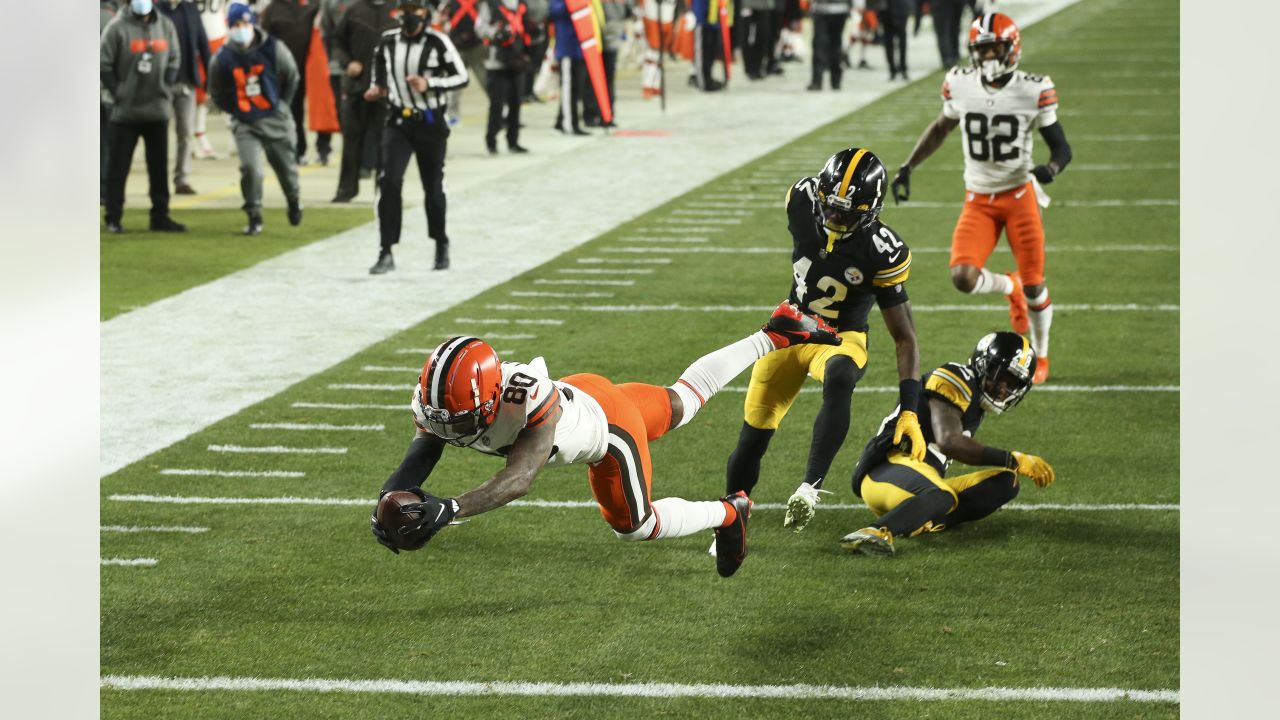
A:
x: 1004, y: 363
x: 995, y: 45
x: 457, y: 395
x: 850, y: 194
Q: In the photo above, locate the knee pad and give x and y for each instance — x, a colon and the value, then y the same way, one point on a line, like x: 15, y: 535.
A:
x: 839, y: 378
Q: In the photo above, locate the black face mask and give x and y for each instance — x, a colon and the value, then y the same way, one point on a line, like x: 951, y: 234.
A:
x: 411, y: 24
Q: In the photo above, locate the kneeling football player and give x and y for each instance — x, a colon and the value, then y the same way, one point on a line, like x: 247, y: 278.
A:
x: 910, y: 497
x: 466, y: 397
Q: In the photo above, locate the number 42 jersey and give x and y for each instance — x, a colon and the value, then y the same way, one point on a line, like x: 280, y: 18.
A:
x: 996, y: 124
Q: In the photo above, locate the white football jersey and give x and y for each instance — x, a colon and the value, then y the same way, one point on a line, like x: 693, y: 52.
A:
x: 529, y: 397
x: 996, y: 124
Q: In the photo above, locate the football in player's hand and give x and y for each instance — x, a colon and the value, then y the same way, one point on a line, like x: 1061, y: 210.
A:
x: 390, y: 516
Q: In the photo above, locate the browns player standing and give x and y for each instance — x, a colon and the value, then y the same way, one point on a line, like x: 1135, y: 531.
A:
x: 843, y: 261
x: 998, y: 106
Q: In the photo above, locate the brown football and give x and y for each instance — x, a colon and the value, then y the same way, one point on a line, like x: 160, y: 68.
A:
x: 389, y: 515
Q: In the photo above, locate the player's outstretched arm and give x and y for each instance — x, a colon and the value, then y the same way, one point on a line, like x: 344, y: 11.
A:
x: 526, y: 458
x: 948, y: 433
x: 1059, y: 153
x: 419, y: 460
x: 903, y: 330
x: 929, y: 142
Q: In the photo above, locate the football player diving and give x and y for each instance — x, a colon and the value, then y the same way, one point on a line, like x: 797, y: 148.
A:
x: 910, y: 497
x: 997, y: 106
x: 466, y: 397
x: 844, y: 260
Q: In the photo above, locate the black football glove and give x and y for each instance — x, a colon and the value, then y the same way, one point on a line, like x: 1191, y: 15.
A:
x: 1043, y: 173
x: 901, y: 185
x: 433, y: 514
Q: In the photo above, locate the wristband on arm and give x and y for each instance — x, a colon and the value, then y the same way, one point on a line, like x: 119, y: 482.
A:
x: 998, y: 458
x: 909, y: 395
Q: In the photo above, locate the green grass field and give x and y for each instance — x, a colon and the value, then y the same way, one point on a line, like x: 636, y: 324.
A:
x: 1062, y: 598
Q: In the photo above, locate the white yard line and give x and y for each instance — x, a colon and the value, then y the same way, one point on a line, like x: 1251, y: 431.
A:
x: 535, y: 293
x: 455, y: 688
x: 199, y: 472
x: 585, y: 504
x: 596, y: 283
x: 663, y: 238
x: 277, y: 450
x: 616, y: 261
x: 349, y: 406
x: 605, y: 271
x: 131, y: 562
x: 153, y: 529
x: 372, y: 387
x: 506, y: 321
x: 176, y: 366
x: 391, y: 369
x: 321, y: 426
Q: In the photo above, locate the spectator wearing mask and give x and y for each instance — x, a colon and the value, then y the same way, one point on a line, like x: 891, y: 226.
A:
x: 415, y: 70
x: 290, y: 22
x: 614, y: 29
x: 461, y: 21
x: 138, y: 64
x: 253, y: 79
x: 502, y: 25
x: 194, y: 48
x: 573, y: 70
x: 829, y: 17
x: 354, y: 40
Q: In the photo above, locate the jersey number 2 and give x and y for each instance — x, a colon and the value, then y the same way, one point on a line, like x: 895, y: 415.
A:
x: 981, y: 147
x: 826, y: 284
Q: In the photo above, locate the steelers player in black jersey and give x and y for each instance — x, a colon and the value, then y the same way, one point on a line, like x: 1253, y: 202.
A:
x: 844, y: 260
x: 911, y: 497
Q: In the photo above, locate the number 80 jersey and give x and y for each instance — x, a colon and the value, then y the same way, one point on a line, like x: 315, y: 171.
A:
x: 997, y: 124
x: 840, y: 281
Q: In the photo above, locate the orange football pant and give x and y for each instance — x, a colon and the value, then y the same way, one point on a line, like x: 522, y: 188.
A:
x: 985, y: 215
x: 638, y: 414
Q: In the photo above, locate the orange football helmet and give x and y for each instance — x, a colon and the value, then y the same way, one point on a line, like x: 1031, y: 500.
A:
x: 458, y: 391
x: 994, y: 31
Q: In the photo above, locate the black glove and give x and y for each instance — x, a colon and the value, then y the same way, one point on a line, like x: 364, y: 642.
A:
x: 1043, y: 173
x: 433, y: 514
x: 901, y: 185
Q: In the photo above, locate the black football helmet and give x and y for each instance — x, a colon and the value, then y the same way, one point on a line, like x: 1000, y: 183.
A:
x: 1004, y: 363
x: 851, y: 190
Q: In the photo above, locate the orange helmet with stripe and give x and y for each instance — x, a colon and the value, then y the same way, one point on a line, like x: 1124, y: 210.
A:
x: 995, y: 45
x: 459, y: 389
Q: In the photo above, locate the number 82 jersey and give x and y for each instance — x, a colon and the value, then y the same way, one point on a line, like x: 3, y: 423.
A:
x: 997, y: 124
x: 840, y: 281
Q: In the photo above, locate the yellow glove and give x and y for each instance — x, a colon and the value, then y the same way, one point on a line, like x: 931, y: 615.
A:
x: 1035, y: 468
x: 909, y: 425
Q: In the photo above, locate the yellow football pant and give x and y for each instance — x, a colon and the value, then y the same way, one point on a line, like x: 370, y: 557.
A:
x: 887, y: 486
x: 776, y: 378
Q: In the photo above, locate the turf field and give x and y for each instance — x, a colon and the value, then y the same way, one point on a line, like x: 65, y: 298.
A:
x: 1065, y: 600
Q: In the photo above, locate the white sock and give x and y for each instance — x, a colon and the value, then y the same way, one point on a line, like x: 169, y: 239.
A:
x: 678, y: 517
x: 1040, y: 310
x: 711, y: 372
x: 989, y: 282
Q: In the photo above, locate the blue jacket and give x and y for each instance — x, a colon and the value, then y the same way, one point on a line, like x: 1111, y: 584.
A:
x: 567, y: 44
x: 191, y: 37
x: 247, y: 82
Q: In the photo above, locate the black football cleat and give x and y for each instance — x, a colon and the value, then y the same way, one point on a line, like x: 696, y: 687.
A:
x: 731, y: 540
x: 385, y: 264
x: 790, y: 326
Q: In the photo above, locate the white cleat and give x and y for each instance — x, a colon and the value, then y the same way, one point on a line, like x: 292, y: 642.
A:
x: 801, y: 506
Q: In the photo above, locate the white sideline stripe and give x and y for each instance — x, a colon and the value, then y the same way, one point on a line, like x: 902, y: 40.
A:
x: 235, y: 473
x: 152, y: 528
x: 606, y: 271
x: 320, y: 426
x: 538, y: 293
x: 507, y: 321
x: 650, y: 690
x: 616, y: 261
x: 762, y: 308
x: 348, y: 406
x: 608, y: 283
x: 1048, y: 387
x: 731, y: 250
x: 132, y: 562
x: 278, y: 449
x: 373, y: 386
x: 392, y: 369
x: 662, y: 238
x: 576, y: 504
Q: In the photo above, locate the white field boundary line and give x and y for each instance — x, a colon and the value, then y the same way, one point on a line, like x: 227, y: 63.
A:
x: 678, y: 307
x: 1048, y: 387
x: 131, y: 562
x: 278, y: 450
x: 152, y: 529
x: 647, y: 690
x: 781, y: 250
x: 321, y: 426
x: 200, y: 472
x: 584, y: 504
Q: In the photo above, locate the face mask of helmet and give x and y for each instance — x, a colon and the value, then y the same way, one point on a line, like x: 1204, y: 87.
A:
x: 1004, y: 391
x: 991, y: 59
x: 839, y: 217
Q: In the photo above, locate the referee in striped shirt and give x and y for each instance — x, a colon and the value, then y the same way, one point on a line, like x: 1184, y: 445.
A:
x: 413, y: 69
